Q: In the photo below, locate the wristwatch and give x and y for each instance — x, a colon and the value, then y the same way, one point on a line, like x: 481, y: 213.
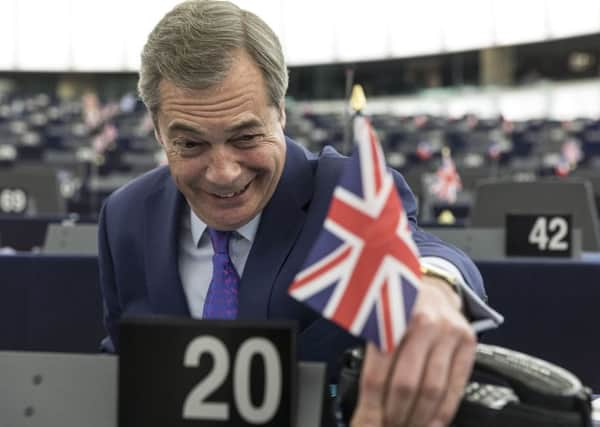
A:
x: 440, y: 273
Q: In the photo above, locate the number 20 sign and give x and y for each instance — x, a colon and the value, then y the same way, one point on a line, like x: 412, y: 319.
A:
x: 185, y: 372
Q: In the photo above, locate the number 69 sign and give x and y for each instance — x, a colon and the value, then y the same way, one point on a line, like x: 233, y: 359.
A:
x: 186, y: 372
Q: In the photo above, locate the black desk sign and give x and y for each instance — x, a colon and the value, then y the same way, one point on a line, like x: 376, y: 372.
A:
x: 184, y: 372
x: 543, y: 235
x: 13, y: 200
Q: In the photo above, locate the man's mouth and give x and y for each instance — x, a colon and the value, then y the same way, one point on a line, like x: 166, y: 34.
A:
x: 232, y: 194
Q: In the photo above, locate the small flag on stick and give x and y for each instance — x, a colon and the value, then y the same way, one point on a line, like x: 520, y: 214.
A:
x: 363, y: 270
x: 447, y: 181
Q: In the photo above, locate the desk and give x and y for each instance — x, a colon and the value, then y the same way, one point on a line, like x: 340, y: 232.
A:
x: 50, y: 303
x: 53, y: 303
x: 551, y: 310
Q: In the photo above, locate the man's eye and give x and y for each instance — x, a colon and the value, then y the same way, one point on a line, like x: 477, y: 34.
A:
x: 186, y: 144
x: 247, y: 140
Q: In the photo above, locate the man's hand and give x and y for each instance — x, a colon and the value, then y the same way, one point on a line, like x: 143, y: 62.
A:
x: 422, y: 381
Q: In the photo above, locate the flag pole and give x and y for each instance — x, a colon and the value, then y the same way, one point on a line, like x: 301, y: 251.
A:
x: 348, y: 137
x: 357, y: 104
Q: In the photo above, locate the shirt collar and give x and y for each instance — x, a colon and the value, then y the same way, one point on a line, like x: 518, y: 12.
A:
x: 247, y: 231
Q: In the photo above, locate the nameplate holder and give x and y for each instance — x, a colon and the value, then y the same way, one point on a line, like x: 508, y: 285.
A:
x: 187, y: 372
x: 539, y: 235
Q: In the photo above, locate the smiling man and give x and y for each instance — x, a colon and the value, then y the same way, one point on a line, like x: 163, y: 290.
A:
x: 222, y: 231
x: 225, y: 144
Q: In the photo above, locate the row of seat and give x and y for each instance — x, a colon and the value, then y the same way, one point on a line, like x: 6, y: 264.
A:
x: 93, y: 157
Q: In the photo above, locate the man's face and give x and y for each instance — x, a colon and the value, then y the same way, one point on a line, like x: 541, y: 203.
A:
x: 225, y: 145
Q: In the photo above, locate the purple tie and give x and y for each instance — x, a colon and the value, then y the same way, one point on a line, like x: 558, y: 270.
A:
x: 222, y: 297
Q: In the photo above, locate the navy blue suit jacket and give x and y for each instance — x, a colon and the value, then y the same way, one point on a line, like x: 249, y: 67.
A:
x: 138, y: 249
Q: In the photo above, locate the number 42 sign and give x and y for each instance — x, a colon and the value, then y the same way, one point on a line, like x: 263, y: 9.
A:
x: 541, y: 235
x: 185, y: 372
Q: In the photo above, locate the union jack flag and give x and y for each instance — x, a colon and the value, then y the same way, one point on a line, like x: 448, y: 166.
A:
x: 494, y: 150
x: 447, y: 181
x: 562, y: 167
x: 571, y: 151
x: 363, y: 271
x: 424, y: 150
x: 105, y: 139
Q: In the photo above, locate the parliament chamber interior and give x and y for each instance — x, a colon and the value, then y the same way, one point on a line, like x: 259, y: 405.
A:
x: 493, y: 133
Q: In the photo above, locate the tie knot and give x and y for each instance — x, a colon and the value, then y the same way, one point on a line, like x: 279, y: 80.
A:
x: 219, y: 240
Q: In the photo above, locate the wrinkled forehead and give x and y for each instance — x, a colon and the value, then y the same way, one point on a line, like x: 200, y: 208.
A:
x: 243, y: 76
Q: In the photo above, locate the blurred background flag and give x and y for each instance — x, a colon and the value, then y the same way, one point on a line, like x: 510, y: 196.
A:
x: 363, y: 271
x: 494, y: 150
x: 447, y: 181
x: 424, y: 150
x: 571, y: 151
x: 562, y: 167
x: 104, y: 140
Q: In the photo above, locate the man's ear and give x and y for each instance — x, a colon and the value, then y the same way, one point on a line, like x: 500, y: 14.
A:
x: 282, y: 116
x: 157, y: 136
x: 154, y: 116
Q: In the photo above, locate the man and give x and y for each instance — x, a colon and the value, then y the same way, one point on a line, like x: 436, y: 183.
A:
x: 214, y: 78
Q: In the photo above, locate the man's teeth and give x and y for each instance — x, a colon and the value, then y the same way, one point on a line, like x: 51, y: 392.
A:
x: 225, y: 196
x: 229, y: 195
x: 235, y: 193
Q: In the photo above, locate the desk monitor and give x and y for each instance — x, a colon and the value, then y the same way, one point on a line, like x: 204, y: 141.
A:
x: 483, y: 243
x: 30, y: 190
x: 71, y: 239
x: 478, y: 243
x: 495, y: 199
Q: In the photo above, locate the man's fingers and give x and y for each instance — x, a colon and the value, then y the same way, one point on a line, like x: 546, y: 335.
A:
x: 460, y: 371
x: 433, y: 363
x: 373, y: 380
x: 410, y: 364
x: 423, y: 381
x: 434, y: 384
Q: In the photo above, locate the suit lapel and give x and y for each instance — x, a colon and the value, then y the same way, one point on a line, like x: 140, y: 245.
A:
x: 280, y: 224
x: 163, y: 211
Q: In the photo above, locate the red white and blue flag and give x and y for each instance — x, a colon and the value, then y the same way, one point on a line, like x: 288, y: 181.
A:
x: 447, y: 182
x: 571, y: 151
x: 424, y: 150
x: 363, y: 271
x: 494, y: 150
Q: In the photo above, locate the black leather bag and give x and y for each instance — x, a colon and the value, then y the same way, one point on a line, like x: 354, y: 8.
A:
x: 506, y: 389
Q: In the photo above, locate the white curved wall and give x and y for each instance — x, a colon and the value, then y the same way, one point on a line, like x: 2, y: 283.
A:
x: 560, y: 101
x: 88, y: 35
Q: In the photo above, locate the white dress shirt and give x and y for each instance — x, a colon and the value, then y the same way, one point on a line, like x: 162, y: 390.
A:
x: 195, y: 256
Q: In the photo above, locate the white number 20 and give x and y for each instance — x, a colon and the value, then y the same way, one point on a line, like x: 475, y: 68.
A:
x: 195, y: 406
x: 549, y: 235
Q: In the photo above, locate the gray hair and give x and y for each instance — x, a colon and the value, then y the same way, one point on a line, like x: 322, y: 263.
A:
x: 193, y: 45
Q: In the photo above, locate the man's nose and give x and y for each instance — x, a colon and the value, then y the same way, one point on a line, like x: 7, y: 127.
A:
x: 223, y: 167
